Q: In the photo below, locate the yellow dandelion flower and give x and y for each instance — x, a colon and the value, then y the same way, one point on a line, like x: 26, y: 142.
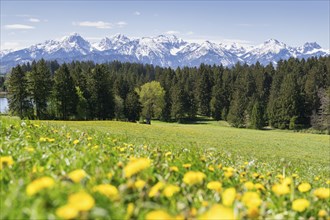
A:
x: 287, y: 181
x: 135, y: 166
x: 110, y: 175
x: 129, y: 211
x: 253, y: 212
x: 174, y: 169
x: 211, y: 168
x: 229, y: 171
x: 259, y: 186
x: 193, y: 212
x: 228, y: 196
x: 67, y: 212
x: 95, y: 147
x: 120, y: 164
x: 215, y: 185
x: 170, y: 190
x: 256, y: 175
x: 281, y: 189
x: 186, y: 165
x: 89, y: 138
x: 42, y: 139
x: 51, y: 140
x: 193, y: 177
x: 279, y: 176
x: 300, y: 205
x: 37, y: 169
x: 168, y: 154
x: 6, y: 161
x: 249, y: 185
x: 242, y: 174
x: 251, y: 199
x: 218, y: 212
x: 322, y: 213
x: 77, y: 175
x: 205, y: 203
x: 81, y: 201
x: 39, y: 184
x: 158, y: 215
x: 107, y: 190
x: 155, y: 189
x: 304, y: 187
x: 139, y: 184
x: 322, y: 193
x: 29, y: 149
x: 296, y: 176
x: 75, y: 142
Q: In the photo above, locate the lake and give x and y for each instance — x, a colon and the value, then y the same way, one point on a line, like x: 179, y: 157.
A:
x: 3, y: 104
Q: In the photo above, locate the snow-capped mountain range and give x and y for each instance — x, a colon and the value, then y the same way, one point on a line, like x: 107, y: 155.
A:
x: 165, y: 51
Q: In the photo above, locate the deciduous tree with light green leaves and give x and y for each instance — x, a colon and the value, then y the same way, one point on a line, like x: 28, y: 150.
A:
x: 152, y: 100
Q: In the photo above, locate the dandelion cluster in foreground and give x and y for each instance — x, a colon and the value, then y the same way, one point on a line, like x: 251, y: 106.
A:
x: 69, y: 174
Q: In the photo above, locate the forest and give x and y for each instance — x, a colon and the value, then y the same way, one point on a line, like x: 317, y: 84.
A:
x: 293, y: 95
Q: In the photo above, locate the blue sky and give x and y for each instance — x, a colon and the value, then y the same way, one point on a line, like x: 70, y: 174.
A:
x: 24, y: 23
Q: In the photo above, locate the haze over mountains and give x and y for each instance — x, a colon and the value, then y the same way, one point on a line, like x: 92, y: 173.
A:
x: 163, y: 50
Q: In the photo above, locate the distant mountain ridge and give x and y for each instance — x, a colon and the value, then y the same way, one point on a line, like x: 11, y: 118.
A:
x: 162, y: 50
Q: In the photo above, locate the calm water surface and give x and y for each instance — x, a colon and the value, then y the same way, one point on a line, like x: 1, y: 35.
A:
x: 3, y: 104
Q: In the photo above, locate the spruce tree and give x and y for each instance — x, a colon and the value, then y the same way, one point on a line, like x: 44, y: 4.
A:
x: 132, y: 107
x: 204, y: 91
x: 257, y: 116
x: 19, y: 103
x: 65, y: 92
x: 178, y: 101
x: 40, y: 84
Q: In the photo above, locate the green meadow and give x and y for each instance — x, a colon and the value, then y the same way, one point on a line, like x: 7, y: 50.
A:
x: 121, y: 170
x: 289, y: 148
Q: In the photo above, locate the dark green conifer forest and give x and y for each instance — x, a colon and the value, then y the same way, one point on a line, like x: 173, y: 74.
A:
x: 292, y: 95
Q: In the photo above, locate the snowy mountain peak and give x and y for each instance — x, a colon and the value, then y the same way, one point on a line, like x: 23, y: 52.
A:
x: 119, y: 38
x: 310, y: 46
x: 313, y: 45
x: 162, y: 50
x: 271, y: 41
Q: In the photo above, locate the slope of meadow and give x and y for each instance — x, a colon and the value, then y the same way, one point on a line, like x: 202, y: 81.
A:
x: 118, y: 170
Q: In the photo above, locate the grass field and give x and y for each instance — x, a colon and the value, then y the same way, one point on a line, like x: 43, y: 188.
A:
x: 272, y: 146
x: 118, y: 170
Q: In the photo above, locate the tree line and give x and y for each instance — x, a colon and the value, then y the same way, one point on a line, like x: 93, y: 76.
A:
x: 293, y: 95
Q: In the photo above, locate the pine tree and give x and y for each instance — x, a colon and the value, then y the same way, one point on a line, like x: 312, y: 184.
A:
x: 40, y: 84
x: 132, y: 106
x: 178, y: 101
x: 105, y: 104
x: 82, y: 104
x: 257, y: 116
x: 119, y: 108
x: 204, y: 91
x: 65, y: 92
x: 19, y: 103
x: 236, y: 114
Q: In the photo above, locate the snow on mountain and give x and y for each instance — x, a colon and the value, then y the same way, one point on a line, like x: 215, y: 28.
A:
x: 270, y: 51
x: 162, y: 50
x: 5, y: 52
